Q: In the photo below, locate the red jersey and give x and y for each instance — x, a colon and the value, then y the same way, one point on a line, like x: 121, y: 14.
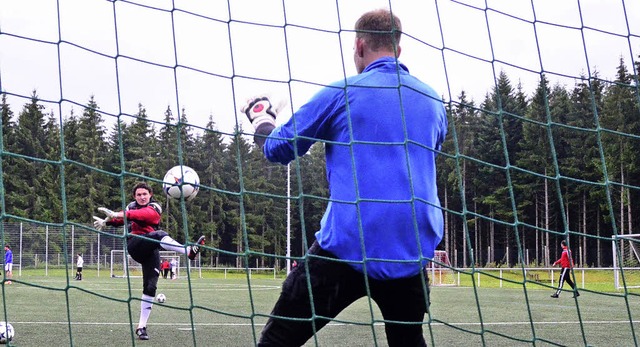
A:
x: 565, y: 259
x: 142, y: 219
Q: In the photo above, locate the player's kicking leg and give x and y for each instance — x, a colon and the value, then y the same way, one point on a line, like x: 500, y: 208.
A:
x: 169, y: 244
x: 195, y: 249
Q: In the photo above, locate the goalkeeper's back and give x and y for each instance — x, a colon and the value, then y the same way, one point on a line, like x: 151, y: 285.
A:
x: 382, y: 129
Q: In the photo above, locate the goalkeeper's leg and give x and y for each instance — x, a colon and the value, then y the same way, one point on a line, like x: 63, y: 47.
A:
x: 169, y: 244
x: 150, y: 275
x: 334, y: 286
x: 402, y: 300
x: 145, y: 252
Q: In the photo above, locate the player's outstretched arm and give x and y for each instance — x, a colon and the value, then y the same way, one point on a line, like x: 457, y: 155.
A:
x: 100, y: 223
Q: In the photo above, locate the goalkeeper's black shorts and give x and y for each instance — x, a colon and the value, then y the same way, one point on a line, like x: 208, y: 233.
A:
x: 143, y: 248
x: 335, y: 285
x: 146, y: 251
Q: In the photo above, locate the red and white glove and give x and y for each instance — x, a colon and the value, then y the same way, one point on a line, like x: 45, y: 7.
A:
x: 261, y: 112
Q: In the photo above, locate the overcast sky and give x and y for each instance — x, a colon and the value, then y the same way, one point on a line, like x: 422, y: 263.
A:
x: 208, y: 57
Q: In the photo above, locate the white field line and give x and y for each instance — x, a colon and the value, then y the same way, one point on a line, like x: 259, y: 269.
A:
x: 334, y: 324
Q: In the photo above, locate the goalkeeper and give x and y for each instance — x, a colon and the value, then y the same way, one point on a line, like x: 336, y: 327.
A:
x: 381, y: 130
x: 143, y: 220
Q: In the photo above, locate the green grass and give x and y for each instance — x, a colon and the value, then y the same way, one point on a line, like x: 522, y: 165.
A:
x: 101, y: 311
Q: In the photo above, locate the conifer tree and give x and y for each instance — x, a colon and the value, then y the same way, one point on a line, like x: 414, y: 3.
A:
x: 9, y: 168
x: 211, y: 154
x: 49, y: 206
x: 621, y: 117
x: 88, y: 188
x: 29, y: 144
x: 235, y: 165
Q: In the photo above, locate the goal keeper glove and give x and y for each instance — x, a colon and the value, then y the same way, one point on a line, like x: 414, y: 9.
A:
x: 110, y: 214
x: 99, y: 223
x: 260, y: 112
x: 262, y: 115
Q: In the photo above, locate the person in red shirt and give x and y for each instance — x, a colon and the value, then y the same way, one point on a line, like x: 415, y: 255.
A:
x: 165, y: 267
x: 144, y: 241
x: 566, y: 263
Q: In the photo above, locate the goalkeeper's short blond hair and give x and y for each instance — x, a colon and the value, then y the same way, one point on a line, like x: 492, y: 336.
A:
x: 381, y: 29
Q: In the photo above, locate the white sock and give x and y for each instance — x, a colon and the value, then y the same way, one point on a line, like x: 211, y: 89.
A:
x: 172, y: 245
x: 145, y: 310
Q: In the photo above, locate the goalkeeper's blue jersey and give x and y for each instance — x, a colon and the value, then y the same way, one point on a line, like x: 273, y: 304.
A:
x: 381, y: 130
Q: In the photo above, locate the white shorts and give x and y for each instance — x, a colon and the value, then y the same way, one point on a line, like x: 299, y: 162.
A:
x: 8, y: 267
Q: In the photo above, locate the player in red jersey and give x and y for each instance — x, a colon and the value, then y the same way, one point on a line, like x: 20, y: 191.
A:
x: 144, y: 243
x: 566, y: 263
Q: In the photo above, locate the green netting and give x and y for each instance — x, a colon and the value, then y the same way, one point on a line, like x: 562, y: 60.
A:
x: 537, y: 153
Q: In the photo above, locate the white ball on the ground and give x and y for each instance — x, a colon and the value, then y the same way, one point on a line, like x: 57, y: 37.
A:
x: 161, y: 298
x: 6, y: 332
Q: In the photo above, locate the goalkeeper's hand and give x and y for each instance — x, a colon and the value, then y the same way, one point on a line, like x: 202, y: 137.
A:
x: 110, y: 214
x: 261, y: 112
x: 99, y: 223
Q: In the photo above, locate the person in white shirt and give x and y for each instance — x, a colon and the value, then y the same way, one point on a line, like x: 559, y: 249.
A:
x: 173, y: 263
x: 79, y: 264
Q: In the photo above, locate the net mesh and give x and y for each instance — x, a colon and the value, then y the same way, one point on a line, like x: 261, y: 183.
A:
x: 552, y: 156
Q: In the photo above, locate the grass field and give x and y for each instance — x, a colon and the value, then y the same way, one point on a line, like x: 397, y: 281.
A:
x: 102, y: 311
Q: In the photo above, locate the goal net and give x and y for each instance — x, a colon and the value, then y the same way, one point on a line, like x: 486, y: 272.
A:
x: 122, y: 265
x: 626, y: 261
x: 440, y: 271
x: 543, y: 109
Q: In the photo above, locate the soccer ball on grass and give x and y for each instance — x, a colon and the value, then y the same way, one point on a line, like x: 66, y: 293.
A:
x: 6, y: 332
x: 161, y: 298
x: 181, y: 181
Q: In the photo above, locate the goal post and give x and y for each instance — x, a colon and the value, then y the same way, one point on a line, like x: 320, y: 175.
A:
x: 440, y: 271
x: 122, y: 265
x: 626, y: 261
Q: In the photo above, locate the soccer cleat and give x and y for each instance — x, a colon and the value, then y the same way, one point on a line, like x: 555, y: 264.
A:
x: 577, y: 294
x: 555, y: 296
x: 195, y: 249
x: 142, y: 333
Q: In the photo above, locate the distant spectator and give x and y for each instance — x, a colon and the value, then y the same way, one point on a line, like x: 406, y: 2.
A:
x: 79, y: 264
x: 165, y: 267
x: 174, y: 268
x: 8, y: 262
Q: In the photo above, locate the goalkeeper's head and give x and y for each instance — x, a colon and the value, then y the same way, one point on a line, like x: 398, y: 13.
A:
x: 377, y: 35
x: 141, y: 185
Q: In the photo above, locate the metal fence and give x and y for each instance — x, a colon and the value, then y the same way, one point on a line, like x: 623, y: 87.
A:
x: 46, y: 247
x: 37, y: 246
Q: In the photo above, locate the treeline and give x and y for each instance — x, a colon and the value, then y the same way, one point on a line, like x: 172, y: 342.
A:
x: 519, y: 172
x: 61, y: 171
x: 516, y: 173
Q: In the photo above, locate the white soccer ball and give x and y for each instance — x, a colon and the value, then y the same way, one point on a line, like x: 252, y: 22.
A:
x: 6, y: 332
x: 181, y: 181
x: 161, y: 298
